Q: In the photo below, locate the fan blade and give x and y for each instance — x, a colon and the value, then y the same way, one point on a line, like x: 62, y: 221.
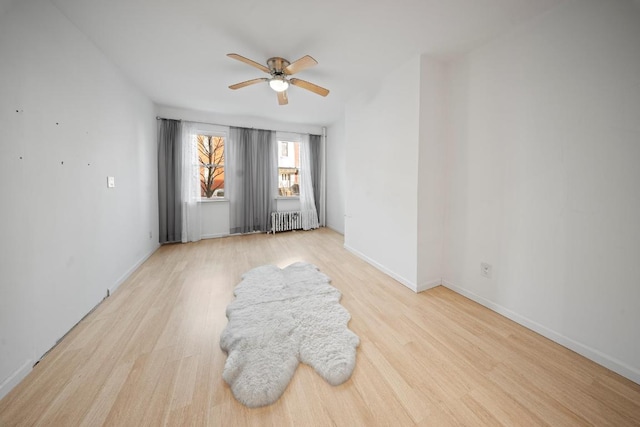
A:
x: 282, y: 98
x: 249, y: 61
x: 248, y: 83
x: 309, y: 86
x: 299, y: 65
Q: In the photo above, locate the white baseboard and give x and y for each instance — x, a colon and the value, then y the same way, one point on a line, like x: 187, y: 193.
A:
x: 590, y: 353
x: 429, y: 284
x: 382, y: 268
x: 214, y: 236
x: 13, y: 379
x: 130, y: 271
x: 336, y: 229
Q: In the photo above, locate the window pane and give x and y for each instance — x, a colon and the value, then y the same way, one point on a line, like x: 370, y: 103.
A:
x: 212, y: 181
x: 288, y: 182
x: 288, y: 169
x: 211, y: 159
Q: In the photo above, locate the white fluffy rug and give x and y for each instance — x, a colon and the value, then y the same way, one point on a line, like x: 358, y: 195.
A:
x: 278, y: 319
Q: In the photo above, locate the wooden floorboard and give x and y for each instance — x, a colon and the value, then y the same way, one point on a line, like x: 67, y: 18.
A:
x: 150, y: 355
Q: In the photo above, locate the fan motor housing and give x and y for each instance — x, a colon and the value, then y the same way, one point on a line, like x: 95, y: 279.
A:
x: 277, y: 65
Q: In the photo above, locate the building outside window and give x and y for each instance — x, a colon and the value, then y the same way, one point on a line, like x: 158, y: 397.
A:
x: 288, y: 169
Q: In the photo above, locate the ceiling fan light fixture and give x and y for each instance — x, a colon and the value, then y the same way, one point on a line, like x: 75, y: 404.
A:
x: 279, y: 84
x: 279, y: 69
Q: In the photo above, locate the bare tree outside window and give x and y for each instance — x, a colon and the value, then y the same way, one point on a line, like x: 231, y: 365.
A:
x: 211, y: 155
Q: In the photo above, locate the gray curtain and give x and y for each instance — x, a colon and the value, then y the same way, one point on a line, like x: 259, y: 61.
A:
x: 170, y: 180
x: 316, y: 168
x: 251, y: 164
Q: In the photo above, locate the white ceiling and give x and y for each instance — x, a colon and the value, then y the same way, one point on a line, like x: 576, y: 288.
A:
x: 5, y: 5
x: 175, y: 51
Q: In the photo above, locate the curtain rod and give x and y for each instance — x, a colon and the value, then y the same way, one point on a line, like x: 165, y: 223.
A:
x: 216, y: 124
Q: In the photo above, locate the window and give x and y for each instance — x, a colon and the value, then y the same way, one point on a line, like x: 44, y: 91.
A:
x: 288, y: 169
x: 284, y: 148
x: 211, y: 156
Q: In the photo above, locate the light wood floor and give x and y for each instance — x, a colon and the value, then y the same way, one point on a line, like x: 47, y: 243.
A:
x: 149, y: 354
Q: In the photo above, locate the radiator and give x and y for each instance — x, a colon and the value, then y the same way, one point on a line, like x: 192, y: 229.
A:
x: 285, y: 221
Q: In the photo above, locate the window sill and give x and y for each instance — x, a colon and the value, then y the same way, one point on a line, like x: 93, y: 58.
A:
x: 213, y: 200
x: 287, y: 197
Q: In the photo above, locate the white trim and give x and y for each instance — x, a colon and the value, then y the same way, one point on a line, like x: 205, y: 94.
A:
x: 334, y: 228
x: 130, y: 271
x: 282, y: 136
x: 210, y: 129
x: 429, y: 284
x: 211, y: 200
x: 214, y: 236
x: 15, y: 378
x: 590, y: 353
x: 382, y: 268
x: 323, y: 177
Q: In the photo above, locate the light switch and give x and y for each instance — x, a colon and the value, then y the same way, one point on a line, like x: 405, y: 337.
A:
x: 111, y: 181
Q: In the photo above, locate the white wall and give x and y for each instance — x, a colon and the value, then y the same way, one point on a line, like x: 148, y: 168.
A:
x: 543, y: 179
x: 395, y: 152
x: 336, y: 175
x: 5, y: 5
x: 432, y: 145
x: 382, y: 130
x: 68, y: 119
x: 214, y: 219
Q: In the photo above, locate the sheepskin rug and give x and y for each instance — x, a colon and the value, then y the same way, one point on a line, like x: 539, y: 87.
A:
x: 278, y: 319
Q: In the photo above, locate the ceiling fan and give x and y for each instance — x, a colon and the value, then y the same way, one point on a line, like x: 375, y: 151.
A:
x: 280, y: 69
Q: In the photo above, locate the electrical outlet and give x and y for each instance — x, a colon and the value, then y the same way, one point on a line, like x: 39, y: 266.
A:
x: 111, y: 181
x: 150, y: 235
x: 485, y: 270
